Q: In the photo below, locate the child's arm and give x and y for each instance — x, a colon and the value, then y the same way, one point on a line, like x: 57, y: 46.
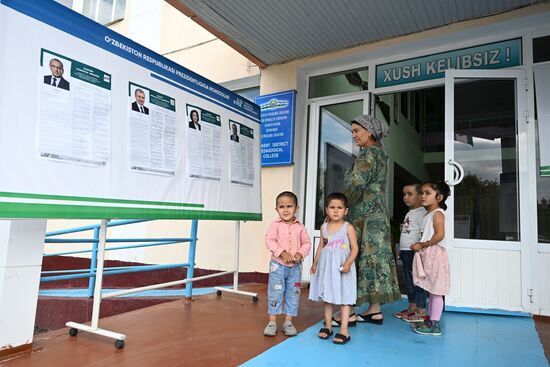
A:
x: 305, y: 246
x: 317, y: 253
x: 439, y: 233
x: 352, y: 235
x: 272, y: 243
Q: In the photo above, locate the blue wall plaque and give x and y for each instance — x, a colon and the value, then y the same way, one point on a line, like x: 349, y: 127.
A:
x: 277, y: 127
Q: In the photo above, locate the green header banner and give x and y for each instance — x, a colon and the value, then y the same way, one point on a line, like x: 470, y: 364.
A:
x: 90, y: 75
x: 243, y: 129
x: 162, y: 100
x: 210, y: 117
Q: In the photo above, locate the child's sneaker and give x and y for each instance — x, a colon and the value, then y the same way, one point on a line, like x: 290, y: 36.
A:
x: 431, y: 328
x: 289, y: 329
x: 414, y: 317
x: 271, y: 329
x: 403, y: 313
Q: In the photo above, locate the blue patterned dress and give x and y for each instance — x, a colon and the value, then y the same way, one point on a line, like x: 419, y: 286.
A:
x: 328, y: 284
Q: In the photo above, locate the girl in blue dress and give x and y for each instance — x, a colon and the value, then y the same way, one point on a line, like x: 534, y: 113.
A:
x: 334, y: 280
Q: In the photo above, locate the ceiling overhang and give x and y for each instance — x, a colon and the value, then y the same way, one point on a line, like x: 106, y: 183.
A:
x: 269, y: 32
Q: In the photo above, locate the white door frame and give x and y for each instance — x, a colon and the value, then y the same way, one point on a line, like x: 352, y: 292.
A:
x: 312, y: 166
x: 527, y: 233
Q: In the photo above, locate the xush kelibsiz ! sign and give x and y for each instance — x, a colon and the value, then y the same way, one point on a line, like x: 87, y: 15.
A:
x: 490, y: 56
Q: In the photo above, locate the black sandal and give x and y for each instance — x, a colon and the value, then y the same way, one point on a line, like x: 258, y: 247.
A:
x: 337, y: 323
x: 369, y: 318
x: 341, y: 339
x: 325, y: 331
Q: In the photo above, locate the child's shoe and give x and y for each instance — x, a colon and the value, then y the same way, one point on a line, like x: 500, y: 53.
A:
x: 289, y: 329
x: 403, y: 313
x: 428, y: 328
x: 271, y: 329
x: 413, y: 318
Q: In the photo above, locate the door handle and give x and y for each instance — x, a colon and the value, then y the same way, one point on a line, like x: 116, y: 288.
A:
x: 459, y: 173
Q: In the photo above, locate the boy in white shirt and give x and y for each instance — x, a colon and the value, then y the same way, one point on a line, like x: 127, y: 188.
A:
x: 411, y: 233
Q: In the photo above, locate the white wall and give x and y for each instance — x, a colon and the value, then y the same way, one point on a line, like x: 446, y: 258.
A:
x: 21, y: 244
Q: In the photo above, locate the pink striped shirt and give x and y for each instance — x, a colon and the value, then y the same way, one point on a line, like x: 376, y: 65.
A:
x: 291, y: 238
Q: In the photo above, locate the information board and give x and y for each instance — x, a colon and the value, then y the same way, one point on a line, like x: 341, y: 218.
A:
x: 277, y: 115
x: 94, y: 125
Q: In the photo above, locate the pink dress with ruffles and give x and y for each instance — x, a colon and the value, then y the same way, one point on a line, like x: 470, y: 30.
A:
x: 431, y: 264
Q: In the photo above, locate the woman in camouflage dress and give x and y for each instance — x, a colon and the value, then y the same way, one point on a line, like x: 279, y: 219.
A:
x: 365, y: 187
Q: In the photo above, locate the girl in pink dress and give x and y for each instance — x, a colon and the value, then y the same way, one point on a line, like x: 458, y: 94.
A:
x: 431, y: 264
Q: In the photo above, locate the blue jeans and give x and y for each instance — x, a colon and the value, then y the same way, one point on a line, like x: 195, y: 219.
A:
x: 414, y: 294
x: 284, y: 286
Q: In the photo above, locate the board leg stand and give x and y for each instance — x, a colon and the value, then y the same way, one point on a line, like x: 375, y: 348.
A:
x: 235, y: 289
x: 74, y: 327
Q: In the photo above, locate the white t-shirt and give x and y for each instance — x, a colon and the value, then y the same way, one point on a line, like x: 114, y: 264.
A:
x: 411, y: 228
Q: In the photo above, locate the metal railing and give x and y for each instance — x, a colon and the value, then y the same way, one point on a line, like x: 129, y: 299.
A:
x: 143, y: 242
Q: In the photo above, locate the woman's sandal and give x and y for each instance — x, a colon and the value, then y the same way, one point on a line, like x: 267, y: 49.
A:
x: 369, y: 318
x: 341, y: 339
x: 338, y: 322
x: 325, y: 331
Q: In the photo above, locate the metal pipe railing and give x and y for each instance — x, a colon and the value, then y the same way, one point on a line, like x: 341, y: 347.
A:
x: 145, y: 242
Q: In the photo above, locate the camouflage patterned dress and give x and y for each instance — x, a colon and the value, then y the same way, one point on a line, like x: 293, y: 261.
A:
x: 365, y: 185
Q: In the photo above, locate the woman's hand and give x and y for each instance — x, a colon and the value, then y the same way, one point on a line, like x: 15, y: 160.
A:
x: 345, y: 268
x: 298, y: 258
x: 313, y: 269
x: 417, y: 246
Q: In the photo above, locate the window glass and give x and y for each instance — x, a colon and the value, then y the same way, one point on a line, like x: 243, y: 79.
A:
x: 338, y: 83
x: 485, y: 144
x: 543, y: 201
x: 104, y: 11
x: 67, y: 3
x: 337, y: 151
x: 541, y: 49
x: 542, y: 115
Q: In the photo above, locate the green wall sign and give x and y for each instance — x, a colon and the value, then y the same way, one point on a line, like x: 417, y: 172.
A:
x: 496, y: 55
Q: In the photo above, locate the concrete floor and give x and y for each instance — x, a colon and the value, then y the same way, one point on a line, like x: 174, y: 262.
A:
x: 227, y: 331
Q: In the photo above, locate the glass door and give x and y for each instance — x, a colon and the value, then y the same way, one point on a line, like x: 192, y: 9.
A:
x: 486, y: 169
x: 331, y: 152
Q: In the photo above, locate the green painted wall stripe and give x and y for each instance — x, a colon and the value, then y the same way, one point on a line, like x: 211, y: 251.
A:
x: 97, y: 200
x: 51, y: 211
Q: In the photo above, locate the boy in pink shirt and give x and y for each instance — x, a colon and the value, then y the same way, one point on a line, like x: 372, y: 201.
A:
x: 288, y: 242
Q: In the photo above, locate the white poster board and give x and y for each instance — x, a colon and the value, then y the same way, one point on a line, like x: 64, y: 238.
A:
x: 110, y: 137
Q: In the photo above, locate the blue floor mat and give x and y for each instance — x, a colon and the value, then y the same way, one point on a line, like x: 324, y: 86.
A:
x: 468, y: 340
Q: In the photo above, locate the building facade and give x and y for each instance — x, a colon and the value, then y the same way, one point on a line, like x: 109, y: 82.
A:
x: 461, y: 102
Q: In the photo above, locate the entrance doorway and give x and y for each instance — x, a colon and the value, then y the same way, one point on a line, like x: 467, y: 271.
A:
x: 487, y: 218
x: 415, y: 146
x: 468, y: 137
